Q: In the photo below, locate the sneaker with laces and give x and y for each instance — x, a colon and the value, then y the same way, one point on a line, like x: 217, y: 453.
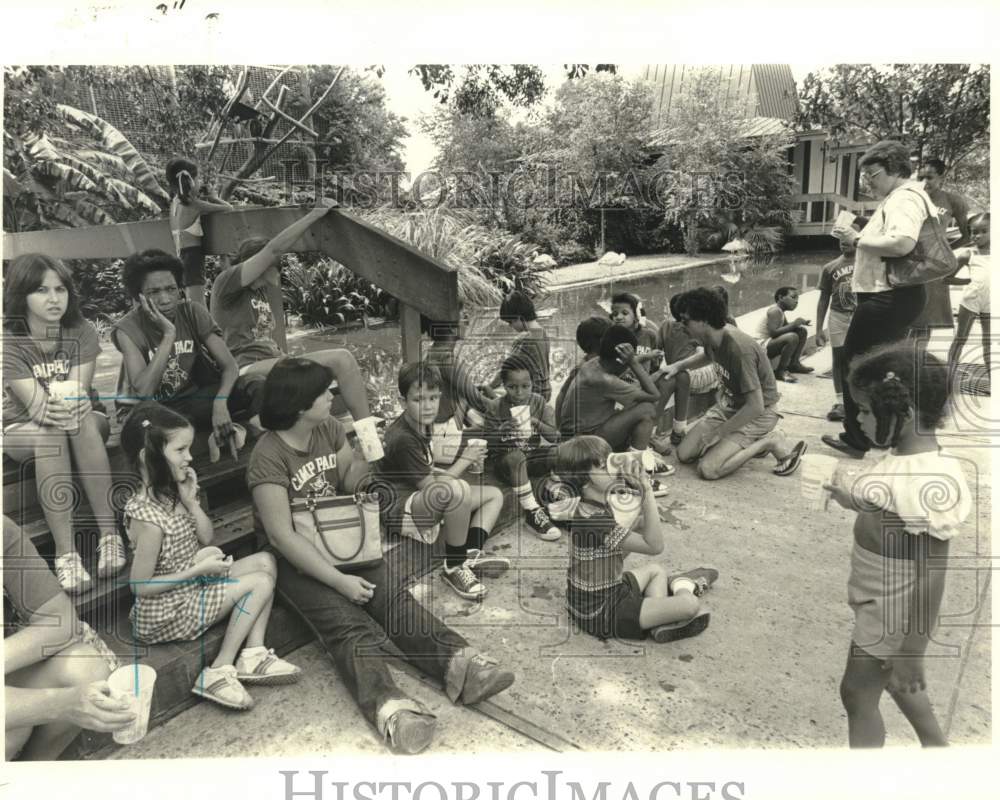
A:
x: 71, y: 574
x: 110, y: 555
x: 464, y: 582
x: 676, y: 437
x: 410, y: 732
x: 261, y: 665
x: 220, y: 685
x: 486, y: 565
x: 483, y: 678
x: 539, y: 522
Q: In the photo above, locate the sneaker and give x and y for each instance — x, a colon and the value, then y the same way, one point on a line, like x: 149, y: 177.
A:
x: 483, y: 679
x: 661, y: 443
x: 486, y: 565
x: 261, y: 665
x: 110, y: 555
x: 676, y: 437
x: 71, y: 574
x: 836, y: 414
x: 464, y: 581
x: 680, y: 630
x: 659, y: 488
x: 539, y: 522
x: 703, y: 578
x: 785, y: 377
x: 800, y: 369
x: 220, y: 685
x: 409, y: 732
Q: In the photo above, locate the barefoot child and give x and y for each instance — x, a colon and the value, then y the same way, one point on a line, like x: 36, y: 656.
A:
x: 975, y: 302
x: 516, y: 458
x: 186, y: 209
x: 419, y: 499
x: 603, y: 598
x: 182, y: 585
x: 909, y: 504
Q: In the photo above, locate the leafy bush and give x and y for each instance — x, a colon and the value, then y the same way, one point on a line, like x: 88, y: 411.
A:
x: 99, y: 285
x: 508, y: 263
x: 328, y: 293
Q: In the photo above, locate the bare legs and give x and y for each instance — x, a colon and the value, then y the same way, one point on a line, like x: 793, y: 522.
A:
x: 660, y: 607
x: 248, y: 602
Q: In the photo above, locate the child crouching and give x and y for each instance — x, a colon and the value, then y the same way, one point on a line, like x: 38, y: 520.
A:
x: 603, y: 598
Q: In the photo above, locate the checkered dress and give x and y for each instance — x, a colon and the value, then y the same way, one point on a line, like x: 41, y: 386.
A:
x: 185, y: 611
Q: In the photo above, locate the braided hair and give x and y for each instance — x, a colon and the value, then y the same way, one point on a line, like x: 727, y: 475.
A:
x: 899, y: 380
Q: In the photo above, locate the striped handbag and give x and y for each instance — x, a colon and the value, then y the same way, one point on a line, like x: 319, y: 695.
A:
x: 345, y: 530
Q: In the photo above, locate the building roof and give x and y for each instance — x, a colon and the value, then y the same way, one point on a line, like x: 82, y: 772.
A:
x: 761, y: 90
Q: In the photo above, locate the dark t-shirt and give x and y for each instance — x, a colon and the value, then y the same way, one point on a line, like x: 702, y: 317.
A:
x: 647, y: 340
x: 407, y: 461
x: 45, y: 361
x: 309, y: 473
x: 533, y: 344
x: 194, y: 326
x: 835, y: 281
x: 952, y: 208
x: 499, y: 429
x: 742, y: 366
x: 590, y: 399
x: 245, y: 317
x: 457, y: 381
x: 28, y: 583
x: 675, y: 342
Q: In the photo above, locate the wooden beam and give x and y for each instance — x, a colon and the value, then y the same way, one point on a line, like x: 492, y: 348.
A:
x: 409, y: 324
x: 416, y: 279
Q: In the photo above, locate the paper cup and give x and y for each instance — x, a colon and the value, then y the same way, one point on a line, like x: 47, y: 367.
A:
x: 843, y: 222
x: 476, y: 467
x: 816, y: 470
x: 70, y: 393
x: 134, y: 682
x: 446, y: 441
x: 522, y: 418
x: 367, y: 435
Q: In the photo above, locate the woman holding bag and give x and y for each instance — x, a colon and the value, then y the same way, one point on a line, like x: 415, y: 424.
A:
x: 884, y: 312
x: 360, y: 613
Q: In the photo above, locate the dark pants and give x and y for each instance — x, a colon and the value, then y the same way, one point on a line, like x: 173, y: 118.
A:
x: 244, y: 402
x: 362, y: 638
x: 789, y: 346
x: 880, y: 318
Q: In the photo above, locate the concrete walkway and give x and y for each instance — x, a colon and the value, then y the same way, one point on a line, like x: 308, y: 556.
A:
x: 765, y: 673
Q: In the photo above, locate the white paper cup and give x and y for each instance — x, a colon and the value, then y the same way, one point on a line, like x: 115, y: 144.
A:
x: 70, y: 393
x: 476, y: 467
x: 135, y: 682
x: 816, y: 469
x: 522, y: 419
x: 843, y: 222
x: 367, y: 435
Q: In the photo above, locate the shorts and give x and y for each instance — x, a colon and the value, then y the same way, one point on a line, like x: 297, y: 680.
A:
x: 839, y: 322
x: 879, y: 591
x: 704, y: 379
x: 753, y: 431
x: 976, y: 297
x: 618, y: 617
x: 193, y: 259
x: 408, y: 525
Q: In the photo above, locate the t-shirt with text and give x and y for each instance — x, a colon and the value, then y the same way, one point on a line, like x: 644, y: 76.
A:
x: 245, y: 317
x: 835, y: 280
x: 310, y: 473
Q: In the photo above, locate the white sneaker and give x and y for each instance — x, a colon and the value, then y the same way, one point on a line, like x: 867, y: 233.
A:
x: 220, y: 685
x: 71, y: 574
x: 110, y: 555
x: 261, y: 665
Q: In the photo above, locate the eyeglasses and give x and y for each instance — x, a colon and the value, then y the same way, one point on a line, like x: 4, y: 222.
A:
x: 867, y: 176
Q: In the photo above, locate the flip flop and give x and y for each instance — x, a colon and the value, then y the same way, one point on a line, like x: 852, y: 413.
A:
x: 788, y: 465
x: 680, y: 630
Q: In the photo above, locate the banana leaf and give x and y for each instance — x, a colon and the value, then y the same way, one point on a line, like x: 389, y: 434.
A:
x: 61, y: 213
x: 135, y: 196
x: 69, y: 178
x: 11, y: 187
x: 113, y: 139
x: 111, y: 165
x: 103, y: 183
x: 95, y: 215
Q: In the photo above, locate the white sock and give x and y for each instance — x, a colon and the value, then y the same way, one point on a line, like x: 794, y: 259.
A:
x: 526, y: 497
x: 682, y: 585
x: 839, y: 398
x: 680, y: 426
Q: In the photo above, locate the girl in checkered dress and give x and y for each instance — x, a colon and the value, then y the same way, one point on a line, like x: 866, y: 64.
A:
x: 182, y: 585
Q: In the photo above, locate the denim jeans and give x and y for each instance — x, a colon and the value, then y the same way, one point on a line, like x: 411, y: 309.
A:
x: 880, y: 318
x: 361, y: 639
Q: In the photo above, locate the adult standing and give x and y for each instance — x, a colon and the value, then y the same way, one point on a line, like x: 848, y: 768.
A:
x: 884, y: 313
x: 952, y: 210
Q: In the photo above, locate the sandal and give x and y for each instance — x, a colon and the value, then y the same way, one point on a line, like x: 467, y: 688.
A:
x: 680, y: 630
x: 788, y: 465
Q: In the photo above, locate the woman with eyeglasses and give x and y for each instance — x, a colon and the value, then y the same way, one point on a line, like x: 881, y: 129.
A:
x: 884, y: 313
x: 173, y: 352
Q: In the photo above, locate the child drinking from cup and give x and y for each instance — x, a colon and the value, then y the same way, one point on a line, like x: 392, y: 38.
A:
x: 909, y: 505
x: 183, y: 585
x: 602, y: 597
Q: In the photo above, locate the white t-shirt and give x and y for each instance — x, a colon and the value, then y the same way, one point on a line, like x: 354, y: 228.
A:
x: 901, y: 213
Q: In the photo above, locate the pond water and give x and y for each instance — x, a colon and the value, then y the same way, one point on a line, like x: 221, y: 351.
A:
x: 751, y: 286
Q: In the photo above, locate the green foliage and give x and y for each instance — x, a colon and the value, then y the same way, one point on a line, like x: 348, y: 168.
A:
x: 507, y: 262
x: 323, y: 292
x: 480, y: 89
x: 941, y: 110
x: 99, y: 284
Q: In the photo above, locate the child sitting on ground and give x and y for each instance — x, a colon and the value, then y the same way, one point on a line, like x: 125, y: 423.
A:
x: 626, y: 311
x: 783, y: 339
x: 515, y: 457
x: 182, y: 585
x: 418, y: 500
x: 910, y: 504
x: 675, y: 379
x: 835, y: 294
x: 518, y: 311
x: 603, y: 598
x: 588, y: 407
x: 588, y: 339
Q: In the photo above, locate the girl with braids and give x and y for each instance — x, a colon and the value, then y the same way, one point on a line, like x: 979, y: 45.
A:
x: 909, y: 505
x: 182, y: 584
x: 186, y: 209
